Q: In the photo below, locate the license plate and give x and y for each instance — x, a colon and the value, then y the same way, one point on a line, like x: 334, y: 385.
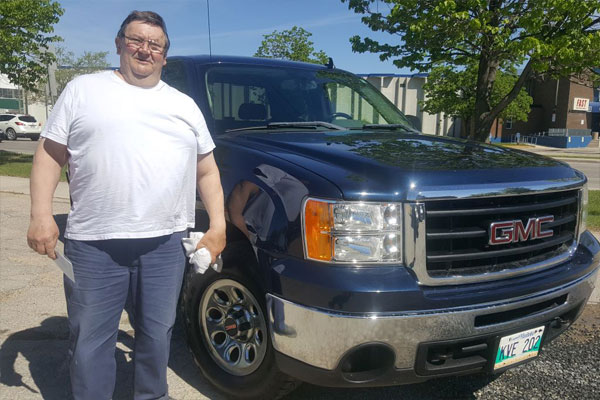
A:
x: 518, y: 347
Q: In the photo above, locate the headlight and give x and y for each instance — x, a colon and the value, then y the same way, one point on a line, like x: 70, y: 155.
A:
x: 584, y: 209
x: 351, y: 232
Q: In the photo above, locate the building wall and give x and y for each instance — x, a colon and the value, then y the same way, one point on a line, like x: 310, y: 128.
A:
x: 579, y: 119
x: 496, y: 131
x: 553, y: 107
x: 39, y: 111
x: 10, y: 96
x: 13, y: 92
x: 405, y: 91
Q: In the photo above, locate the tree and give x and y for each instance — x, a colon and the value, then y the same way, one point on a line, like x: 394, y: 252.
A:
x: 70, y: 67
x: 545, y: 37
x: 292, y: 44
x: 25, y: 28
x: 453, y: 93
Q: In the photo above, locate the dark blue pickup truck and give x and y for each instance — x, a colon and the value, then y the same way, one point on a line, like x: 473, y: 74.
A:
x: 363, y: 253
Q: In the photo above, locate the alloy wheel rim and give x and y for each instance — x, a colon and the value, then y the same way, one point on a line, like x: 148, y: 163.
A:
x: 233, y: 326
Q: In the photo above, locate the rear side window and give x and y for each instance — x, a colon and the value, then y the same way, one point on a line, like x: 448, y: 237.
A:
x: 6, y: 117
x: 27, y: 118
x: 174, y: 75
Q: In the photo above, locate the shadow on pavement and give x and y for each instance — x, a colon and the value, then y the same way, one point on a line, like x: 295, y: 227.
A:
x: 46, y: 350
x: 455, y: 388
x: 182, y: 363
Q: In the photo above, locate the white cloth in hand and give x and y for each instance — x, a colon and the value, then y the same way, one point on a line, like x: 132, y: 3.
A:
x: 199, y: 259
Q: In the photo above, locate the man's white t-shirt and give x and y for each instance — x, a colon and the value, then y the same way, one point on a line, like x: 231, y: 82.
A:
x: 132, y: 157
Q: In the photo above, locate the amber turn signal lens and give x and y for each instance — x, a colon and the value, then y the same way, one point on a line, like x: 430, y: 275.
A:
x: 317, y: 230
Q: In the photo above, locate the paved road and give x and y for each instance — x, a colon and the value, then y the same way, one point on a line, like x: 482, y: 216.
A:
x: 21, y: 145
x: 591, y: 170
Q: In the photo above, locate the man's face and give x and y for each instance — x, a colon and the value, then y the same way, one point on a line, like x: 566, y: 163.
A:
x: 140, y: 50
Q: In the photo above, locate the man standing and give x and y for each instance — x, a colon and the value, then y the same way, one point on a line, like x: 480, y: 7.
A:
x: 136, y: 149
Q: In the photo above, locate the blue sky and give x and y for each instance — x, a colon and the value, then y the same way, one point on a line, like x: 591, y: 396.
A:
x: 237, y: 27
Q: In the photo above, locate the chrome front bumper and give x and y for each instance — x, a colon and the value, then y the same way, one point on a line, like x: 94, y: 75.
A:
x: 320, y: 338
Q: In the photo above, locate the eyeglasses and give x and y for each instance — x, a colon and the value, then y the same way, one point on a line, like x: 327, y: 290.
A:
x: 137, y: 43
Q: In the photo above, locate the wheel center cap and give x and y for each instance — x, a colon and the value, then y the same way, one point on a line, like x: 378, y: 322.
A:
x: 231, y: 327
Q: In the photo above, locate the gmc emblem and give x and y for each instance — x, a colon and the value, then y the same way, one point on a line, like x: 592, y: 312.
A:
x: 514, y: 231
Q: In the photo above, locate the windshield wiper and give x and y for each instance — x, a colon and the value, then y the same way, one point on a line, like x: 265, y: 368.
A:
x: 248, y: 128
x: 305, y: 124
x: 298, y: 124
x: 390, y: 127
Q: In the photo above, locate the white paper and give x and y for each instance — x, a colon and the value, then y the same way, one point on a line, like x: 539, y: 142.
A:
x: 65, y: 265
x: 200, y: 259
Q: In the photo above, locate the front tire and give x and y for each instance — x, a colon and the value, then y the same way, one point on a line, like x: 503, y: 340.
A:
x: 227, y: 332
x: 35, y: 138
x: 11, y: 134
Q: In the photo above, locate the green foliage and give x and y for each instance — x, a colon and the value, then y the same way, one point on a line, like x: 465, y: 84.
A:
x: 19, y: 165
x: 69, y: 68
x: 292, y: 44
x: 593, y: 220
x: 25, y: 33
x: 74, y: 66
x: 519, y: 108
x: 549, y: 37
x: 453, y: 93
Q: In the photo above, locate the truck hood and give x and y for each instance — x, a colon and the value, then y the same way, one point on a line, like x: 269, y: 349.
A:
x: 388, y: 165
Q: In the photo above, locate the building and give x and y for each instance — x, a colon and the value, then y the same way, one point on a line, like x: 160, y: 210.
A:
x: 11, y: 96
x: 12, y: 100
x: 565, y: 112
x: 406, y: 91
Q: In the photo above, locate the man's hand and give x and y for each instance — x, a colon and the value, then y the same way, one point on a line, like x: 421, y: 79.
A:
x: 214, y: 240
x: 211, y: 194
x: 43, y: 235
x: 48, y: 160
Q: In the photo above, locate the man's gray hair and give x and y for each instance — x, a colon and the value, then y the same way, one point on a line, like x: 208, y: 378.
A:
x: 147, y: 17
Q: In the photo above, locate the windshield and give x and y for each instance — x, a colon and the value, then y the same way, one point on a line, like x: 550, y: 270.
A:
x: 251, y: 96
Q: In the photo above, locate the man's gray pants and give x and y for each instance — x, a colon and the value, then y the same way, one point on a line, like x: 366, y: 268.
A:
x: 149, y: 271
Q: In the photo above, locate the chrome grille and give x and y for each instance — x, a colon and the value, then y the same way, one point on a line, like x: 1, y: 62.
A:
x: 457, y: 232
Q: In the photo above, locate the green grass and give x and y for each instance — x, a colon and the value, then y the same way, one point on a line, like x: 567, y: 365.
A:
x: 593, y: 219
x: 19, y: 165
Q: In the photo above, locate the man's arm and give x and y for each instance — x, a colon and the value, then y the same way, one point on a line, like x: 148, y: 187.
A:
x: 237, y: 201
x: 48, y: 161
x: 211, y: 194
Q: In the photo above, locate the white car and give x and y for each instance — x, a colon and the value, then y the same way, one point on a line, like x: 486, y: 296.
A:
x: 20, y: 125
